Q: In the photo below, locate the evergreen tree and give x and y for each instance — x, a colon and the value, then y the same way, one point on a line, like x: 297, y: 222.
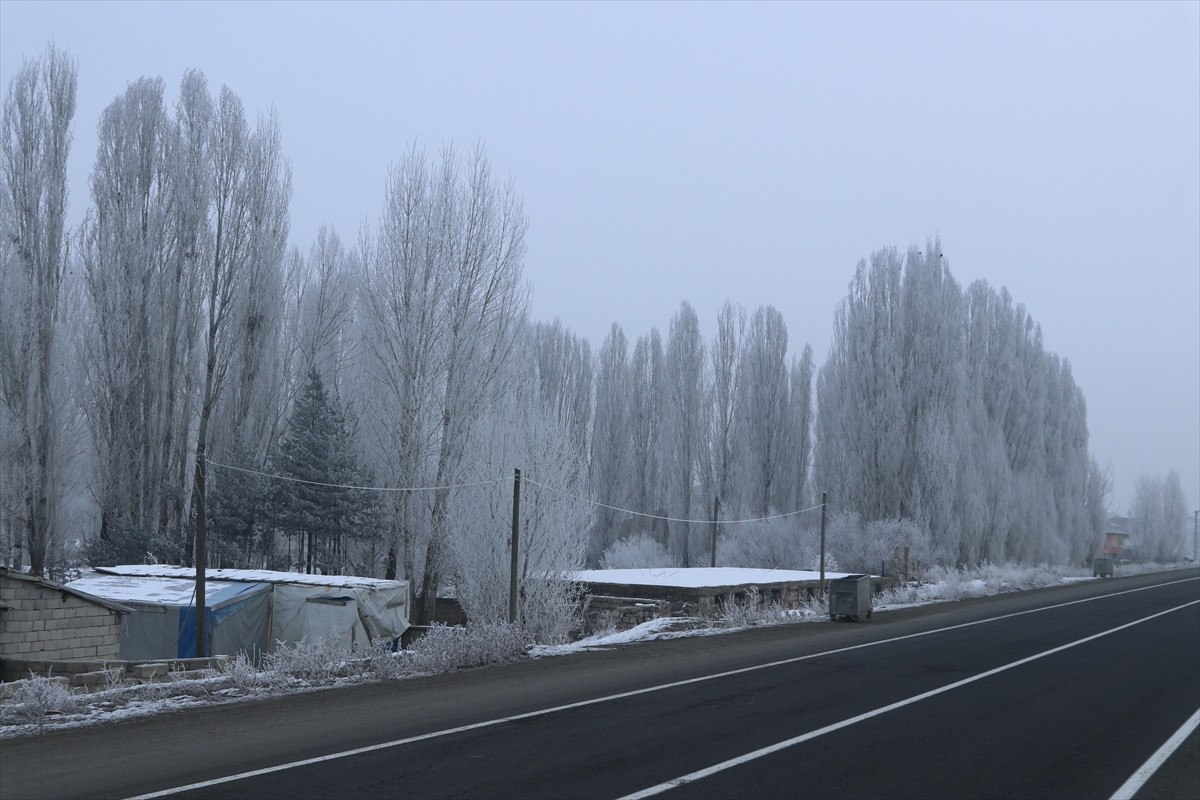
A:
x: 317, y: 456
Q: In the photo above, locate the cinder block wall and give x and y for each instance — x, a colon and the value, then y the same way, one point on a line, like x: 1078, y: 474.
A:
x: 42, y: 622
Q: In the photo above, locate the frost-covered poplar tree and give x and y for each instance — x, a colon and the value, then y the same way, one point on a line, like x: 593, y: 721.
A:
x: 763, y: 382
x: 35, y: 141
x: 522, y: 430
x: 731, y: 326
x: 444, y: 292
x: 253, y: 411
x: 799, y: 444
x: 565, y: 377
x: 1159, y: 512
x: 610, y: 449
x: 647, y: 479
x: 684, y: 422
x: 132, y: 271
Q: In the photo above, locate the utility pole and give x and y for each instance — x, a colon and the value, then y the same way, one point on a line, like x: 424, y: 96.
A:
x: 716, y: 513
x: 516, y: 522
x: 822, y: 594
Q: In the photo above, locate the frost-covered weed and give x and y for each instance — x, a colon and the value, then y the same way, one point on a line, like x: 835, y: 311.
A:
x: 752, y: 611
x: 314, y: 663
x: 244, y: 676
x: 446, y: 648
x: 947, y: 583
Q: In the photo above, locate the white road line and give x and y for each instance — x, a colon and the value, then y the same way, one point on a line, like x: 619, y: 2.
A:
x: 691, y: 777
x: 1138, y: 779
x: 620, y: 696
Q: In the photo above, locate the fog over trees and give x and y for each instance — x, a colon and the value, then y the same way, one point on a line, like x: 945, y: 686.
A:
x: 171, y: 363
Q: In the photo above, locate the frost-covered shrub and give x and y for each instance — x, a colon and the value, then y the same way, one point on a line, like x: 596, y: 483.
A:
x: 315, y: 663
x: 38, y: 696
x: 770, y: 544
x: 636, y: 551
x: 864, y: 547
x: 386, y: 664
x: 444, y: 648
x: 550, y: 610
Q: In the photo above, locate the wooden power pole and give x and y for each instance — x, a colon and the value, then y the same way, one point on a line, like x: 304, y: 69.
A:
x: 516, y: 522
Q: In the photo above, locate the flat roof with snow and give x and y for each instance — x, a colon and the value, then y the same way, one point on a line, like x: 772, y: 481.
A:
x: 698, y: 577
x: 157, y: 591
x: 249, y: 575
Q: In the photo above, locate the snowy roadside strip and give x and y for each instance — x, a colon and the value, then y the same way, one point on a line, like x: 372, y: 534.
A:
x: 756, y: 754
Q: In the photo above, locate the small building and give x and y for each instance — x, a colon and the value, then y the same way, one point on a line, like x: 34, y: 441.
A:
x: 631, y: 596
x: 352, y: 610
x: 44, y: 621
x: 1118, y: 539
x: 163, y: 622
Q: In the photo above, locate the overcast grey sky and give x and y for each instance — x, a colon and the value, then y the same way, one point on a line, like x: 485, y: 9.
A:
x: 749, y: 152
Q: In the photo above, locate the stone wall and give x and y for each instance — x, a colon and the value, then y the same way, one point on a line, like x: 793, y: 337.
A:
x: 40, y: 620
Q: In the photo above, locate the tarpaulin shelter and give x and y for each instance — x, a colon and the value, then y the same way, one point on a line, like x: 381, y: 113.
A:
x: 163, y: 624
x: 352, y: 610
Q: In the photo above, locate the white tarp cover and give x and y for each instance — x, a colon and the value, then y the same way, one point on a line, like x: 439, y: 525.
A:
x: 308, y: 606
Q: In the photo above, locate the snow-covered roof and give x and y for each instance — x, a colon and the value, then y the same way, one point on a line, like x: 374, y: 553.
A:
x: 81, y: 593
x: 698, y: 577
x: 158, y: 591
x: 249, y: 575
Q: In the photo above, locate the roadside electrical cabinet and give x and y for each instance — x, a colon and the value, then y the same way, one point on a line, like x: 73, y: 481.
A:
x: 850, y: 597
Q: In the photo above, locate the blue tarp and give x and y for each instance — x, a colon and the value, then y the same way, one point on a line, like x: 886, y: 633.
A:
x: 220, y: 607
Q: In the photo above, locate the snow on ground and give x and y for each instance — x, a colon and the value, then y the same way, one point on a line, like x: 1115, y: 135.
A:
x: 698, y: 577
x: 941, y: 586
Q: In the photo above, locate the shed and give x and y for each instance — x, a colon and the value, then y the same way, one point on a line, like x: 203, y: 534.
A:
x: 163, y: 624
x: 352, y: 609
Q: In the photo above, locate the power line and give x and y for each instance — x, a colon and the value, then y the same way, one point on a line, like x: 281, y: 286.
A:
x: 631, y: 512
x: 358, y: 488
x: 526, y: 479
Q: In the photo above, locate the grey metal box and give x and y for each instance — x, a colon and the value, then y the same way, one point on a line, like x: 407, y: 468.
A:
x: 850, y: 597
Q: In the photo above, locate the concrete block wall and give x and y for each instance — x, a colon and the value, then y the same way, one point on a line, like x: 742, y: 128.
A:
x: 46, y: 623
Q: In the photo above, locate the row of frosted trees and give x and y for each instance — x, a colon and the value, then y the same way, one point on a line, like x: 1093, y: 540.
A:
x: 173, y: 349
x: 943, y: 406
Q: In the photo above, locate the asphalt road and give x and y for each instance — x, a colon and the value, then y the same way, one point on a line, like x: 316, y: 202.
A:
x: 1053, y: 693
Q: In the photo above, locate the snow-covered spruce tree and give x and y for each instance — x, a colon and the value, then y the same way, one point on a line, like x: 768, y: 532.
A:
x: 35, y: 140
x: 318, y: 448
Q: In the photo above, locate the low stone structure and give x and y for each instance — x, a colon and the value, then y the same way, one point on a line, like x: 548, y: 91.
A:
x: 625, y: 605
x: 44, y: 621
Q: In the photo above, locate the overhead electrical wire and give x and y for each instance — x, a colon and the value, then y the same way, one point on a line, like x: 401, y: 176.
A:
x: 524, y: 479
